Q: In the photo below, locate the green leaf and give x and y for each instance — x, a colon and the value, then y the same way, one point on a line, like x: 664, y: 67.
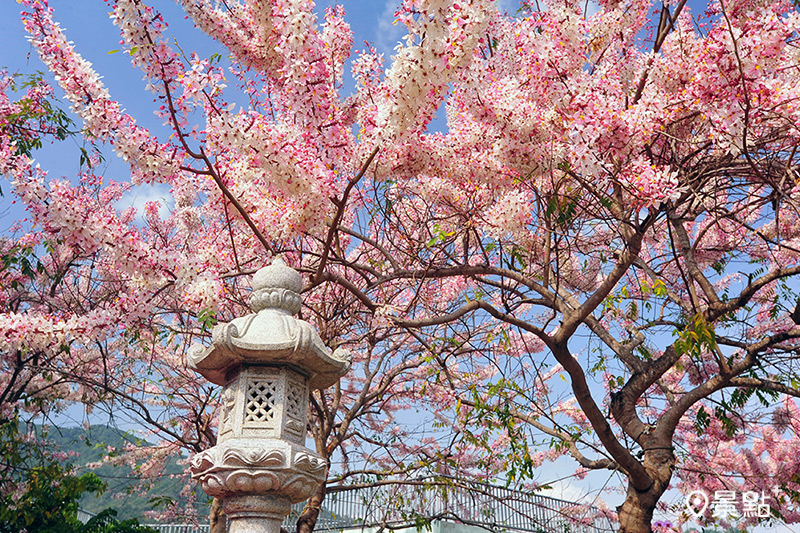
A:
x: 207, y: 319
x: 702, y: 421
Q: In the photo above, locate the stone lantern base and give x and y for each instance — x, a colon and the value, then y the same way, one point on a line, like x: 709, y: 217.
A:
x: 257, y: 482
x: 256, y: 513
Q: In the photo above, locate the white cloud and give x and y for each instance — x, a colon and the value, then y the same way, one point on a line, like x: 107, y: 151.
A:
x: 564, y: 490
x: 137, y: 197
x: 389, y: 33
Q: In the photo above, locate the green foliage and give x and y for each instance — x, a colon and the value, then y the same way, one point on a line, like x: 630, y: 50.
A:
x: 615, y: 382
x: 727, y: 407
x: 516, y: 259
x: 702, y: 421
x: 562, y: 210
x: 41, y: 495
x: 499, y: 417
x: 439, y: 235
x: 91, y: 446
x: 86, y: 158
x: 698, y: 336
x: 33, y: 118
x: 22, y: 260
x: 207, y: 319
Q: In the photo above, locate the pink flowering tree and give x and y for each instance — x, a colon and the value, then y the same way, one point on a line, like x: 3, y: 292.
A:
x: 614, y: 200
x: 101, y: 306
x: 76, y: 328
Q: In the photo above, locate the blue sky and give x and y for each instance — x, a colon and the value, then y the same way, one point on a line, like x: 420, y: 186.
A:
x: 86, y: 23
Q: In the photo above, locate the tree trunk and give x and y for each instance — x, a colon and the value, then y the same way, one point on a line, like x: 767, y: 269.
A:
x: 216, y: 517
x: 636, y: 512
x: 308, y: 518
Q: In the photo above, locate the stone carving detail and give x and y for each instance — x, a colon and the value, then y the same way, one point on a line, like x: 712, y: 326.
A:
x: 295, y: 402
x: 230, y: 456
x: 295, y: 427
x: 295, y: 406
x: 312, y: 464
x: 260, y: 398
x: 253, y: 457
x: 277, y: 299
x: 229, y: 469
x: 228, y: 401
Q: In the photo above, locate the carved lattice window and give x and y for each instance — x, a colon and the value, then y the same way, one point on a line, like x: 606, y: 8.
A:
x: 260, y: 405
x: 295, y: 402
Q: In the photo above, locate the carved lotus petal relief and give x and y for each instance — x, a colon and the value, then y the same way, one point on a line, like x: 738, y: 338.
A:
x: 292, y: 485
x: 252, y: 457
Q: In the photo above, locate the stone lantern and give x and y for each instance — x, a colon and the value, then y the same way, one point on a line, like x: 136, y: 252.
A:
x: 266, y: 362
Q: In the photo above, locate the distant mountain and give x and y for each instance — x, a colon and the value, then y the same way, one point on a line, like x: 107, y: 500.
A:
x: 90, y: 445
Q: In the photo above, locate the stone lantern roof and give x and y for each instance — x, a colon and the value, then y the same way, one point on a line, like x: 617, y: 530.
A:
x: 271, y: 335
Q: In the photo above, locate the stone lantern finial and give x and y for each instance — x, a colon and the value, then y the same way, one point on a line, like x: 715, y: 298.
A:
x: 277, y: 286
x: 266, y: 361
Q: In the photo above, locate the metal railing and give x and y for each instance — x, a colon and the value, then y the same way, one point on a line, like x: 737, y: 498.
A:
x: 417, y: 503
x: 180, y: 528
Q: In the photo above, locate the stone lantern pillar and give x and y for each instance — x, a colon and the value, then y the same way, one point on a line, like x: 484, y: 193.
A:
x: 266, y: 362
